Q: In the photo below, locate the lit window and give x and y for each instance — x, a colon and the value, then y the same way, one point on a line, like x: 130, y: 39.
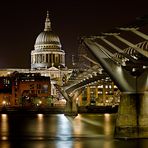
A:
x: 106, y: 86
x: 110, y: 86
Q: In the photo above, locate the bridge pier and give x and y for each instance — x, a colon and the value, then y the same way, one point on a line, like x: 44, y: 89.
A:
x: 71, y: 108
x: 126, y: 122
x: 143, y: 115
x: 132, y: 118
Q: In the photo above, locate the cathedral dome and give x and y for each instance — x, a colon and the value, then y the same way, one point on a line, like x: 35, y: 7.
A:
x: 47, y: 39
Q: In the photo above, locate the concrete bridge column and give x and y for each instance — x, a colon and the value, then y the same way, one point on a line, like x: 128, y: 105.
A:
x: 126, y: 122
x: 71, y: 108
x: 68, y: 107
x: 71, y: 104
x: 142, y: 87
x: 143, y: 115
x: 132, y: 118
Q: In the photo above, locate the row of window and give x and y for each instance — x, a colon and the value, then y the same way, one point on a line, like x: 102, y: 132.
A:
x: 49, y: 58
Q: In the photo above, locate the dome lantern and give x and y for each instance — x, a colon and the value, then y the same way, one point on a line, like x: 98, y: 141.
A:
x: 47, y: 23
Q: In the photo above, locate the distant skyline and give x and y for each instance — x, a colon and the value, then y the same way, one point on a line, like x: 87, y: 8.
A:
x: 22, y: 21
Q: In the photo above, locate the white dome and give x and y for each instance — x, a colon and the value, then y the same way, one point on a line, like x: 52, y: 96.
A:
x: 47, y: 37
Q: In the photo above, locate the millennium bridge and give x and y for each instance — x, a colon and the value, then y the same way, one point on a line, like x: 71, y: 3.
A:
x: 119, y: 55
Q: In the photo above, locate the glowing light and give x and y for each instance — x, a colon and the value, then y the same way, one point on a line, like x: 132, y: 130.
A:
x: 119, y: 69
x: 115, y: 86
x: 4, y: 116
x: 144, y: 67
x: 106, y: 86
x: 100, y: 86
x: 4, y: 102
x: 110, y: 86
x: 134, y: 69
x: 4, y: 138
x: 40, y: 116
x: 107, y: 116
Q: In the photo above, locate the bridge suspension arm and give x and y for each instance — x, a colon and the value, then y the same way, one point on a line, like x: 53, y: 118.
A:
x: 141, y: 51
x: 135, y: 31
x: 94, y: 62
x: 109, y: 54
x: 120, y: 51
x: 112, y: 45
x: 122, y: 78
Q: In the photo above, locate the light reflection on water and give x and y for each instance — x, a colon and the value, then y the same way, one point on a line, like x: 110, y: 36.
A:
x: 107, y: 124
x: 40, y: 127
x: 4, y: 126
x: 59, y: 131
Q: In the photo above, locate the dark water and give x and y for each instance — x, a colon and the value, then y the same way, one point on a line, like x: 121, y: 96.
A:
x: 58, y: 131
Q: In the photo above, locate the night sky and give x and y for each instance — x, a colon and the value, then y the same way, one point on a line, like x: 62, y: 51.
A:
x: 22, y: 21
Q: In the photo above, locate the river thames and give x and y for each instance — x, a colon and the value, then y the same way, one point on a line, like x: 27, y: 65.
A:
x: 59, y: 131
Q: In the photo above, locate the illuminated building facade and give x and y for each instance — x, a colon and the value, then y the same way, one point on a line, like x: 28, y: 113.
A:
x: 101, y: 94
x: 24, y: 88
